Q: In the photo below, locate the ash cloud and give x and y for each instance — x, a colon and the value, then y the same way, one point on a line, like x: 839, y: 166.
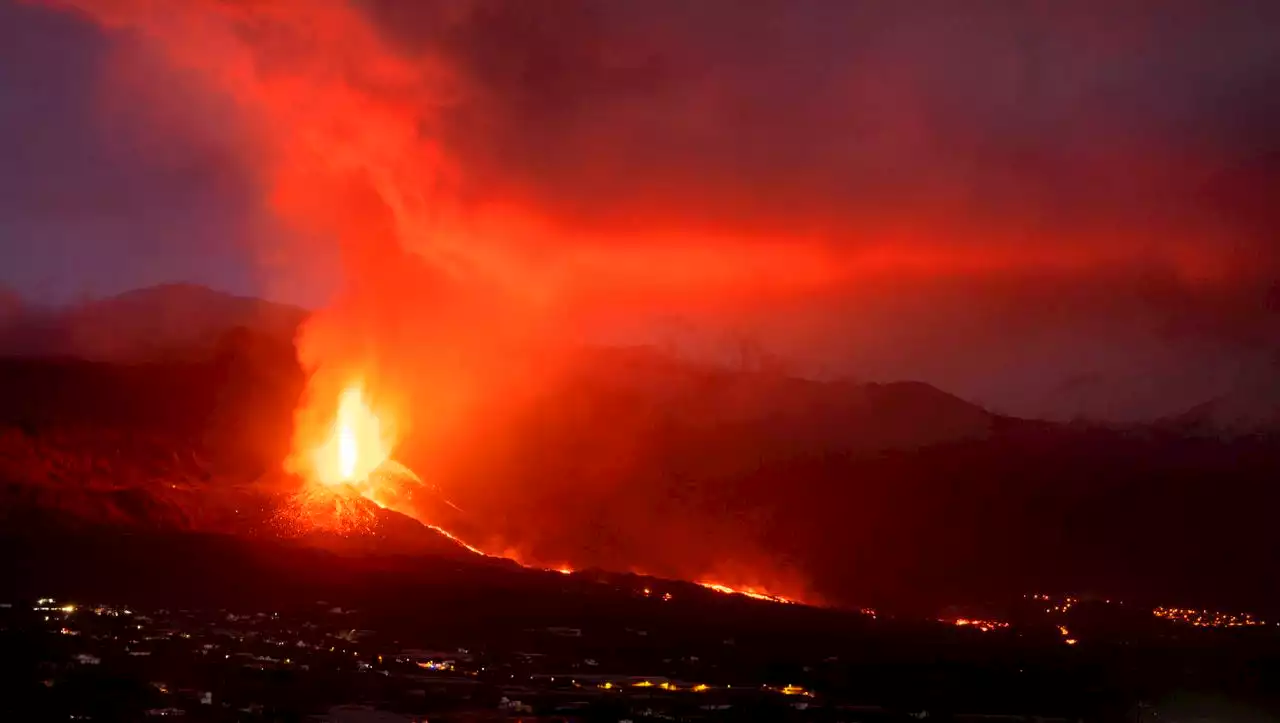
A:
x: 876, y: 181
x: 1057, y: 191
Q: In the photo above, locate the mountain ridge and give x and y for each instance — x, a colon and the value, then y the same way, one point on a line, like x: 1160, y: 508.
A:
x: 164, y: 322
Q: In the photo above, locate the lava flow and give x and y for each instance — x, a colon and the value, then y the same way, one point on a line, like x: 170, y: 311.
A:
x: 352, y: 462
x: 751, y: 592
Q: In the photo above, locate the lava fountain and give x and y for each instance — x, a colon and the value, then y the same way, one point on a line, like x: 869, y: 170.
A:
x: 356, y: 446
x: 350, y: 462
x: 351, y: 466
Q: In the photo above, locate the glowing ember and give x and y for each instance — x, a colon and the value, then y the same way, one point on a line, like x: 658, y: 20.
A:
x: 318, y: 508
x: 985, y: 626
x: 1207, y: 618
x: 755, y: 593
x: 790, y: 690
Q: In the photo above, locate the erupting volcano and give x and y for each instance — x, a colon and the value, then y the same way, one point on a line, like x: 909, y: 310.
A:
x: 351, y: 462
x: 356, y: 447
x: 351, y: 465
x: 455, y: 292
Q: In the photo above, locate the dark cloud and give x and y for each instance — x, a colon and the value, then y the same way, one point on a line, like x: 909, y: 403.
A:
x: 1086, y: 187
x: 1067, y: 116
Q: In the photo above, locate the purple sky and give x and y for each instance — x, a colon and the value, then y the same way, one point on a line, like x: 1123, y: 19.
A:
x: 82, y: 210
x: 1062, y: 121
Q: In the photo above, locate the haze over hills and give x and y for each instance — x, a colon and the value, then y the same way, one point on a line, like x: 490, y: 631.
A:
x: 170, y: 321
x: 1251, y: 408
x: 188, y: 321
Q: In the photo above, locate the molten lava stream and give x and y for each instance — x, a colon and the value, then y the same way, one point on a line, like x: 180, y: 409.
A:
x: 751, y: 592
x: 354, y: 456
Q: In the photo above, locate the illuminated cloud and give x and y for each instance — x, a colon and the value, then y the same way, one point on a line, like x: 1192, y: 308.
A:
x: 855, y: 183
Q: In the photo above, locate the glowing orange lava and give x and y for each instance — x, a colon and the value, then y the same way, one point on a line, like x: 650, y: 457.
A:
x: 352, y: 460
x: 357, y: 445
x: 985, y: 626
x: 751, y: 592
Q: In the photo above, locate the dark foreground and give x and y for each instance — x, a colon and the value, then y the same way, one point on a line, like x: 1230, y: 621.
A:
x: 217, y: 629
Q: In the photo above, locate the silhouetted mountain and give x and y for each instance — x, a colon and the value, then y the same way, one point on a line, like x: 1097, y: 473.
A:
x: 171, y: 321
x: 1252, y: 407
x: 624, y: 385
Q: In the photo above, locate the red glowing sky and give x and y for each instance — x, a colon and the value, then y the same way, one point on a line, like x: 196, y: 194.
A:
x: 1027, y: 204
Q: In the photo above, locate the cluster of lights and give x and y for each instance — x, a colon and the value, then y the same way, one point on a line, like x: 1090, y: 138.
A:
x: 1207, y: 618
x: 1055, y: 605
x: 661, y: 685
x: 985, y: 626
x: 697, y: 688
